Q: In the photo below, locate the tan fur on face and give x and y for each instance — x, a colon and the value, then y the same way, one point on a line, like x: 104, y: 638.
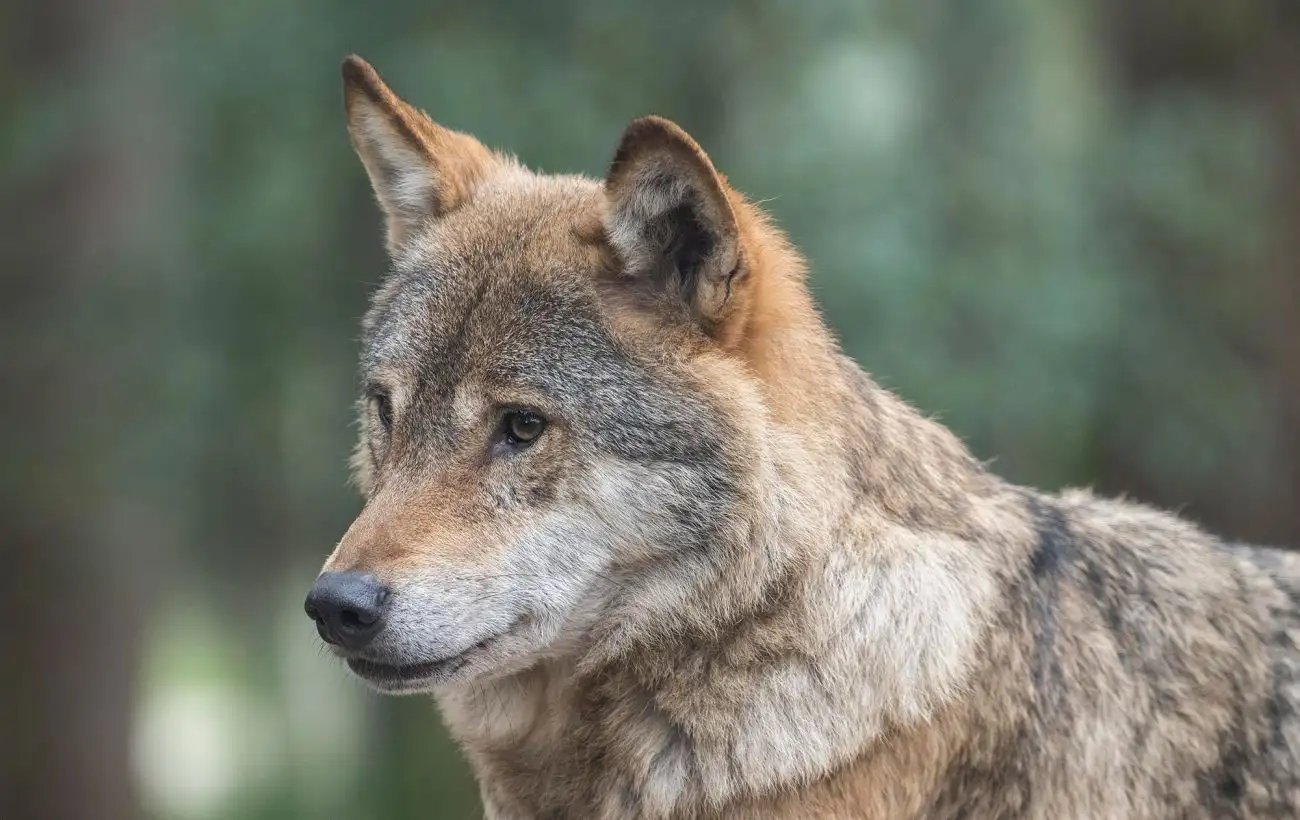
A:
x: 405, y: 528
x: 761, y: 586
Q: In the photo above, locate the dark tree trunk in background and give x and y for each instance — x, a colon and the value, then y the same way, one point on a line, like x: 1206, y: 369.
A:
x: 1276, y: 78
x: 75, y: 538
x: 1250, y: 52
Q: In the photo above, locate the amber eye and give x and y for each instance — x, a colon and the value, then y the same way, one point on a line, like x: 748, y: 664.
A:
x: 383, y: 410
x: 523, y: 426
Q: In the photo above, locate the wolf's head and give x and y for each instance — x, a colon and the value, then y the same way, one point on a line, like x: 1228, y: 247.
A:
x: 562, y: 437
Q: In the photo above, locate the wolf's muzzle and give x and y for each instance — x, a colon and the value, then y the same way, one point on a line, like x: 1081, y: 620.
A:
x: 348, y: 608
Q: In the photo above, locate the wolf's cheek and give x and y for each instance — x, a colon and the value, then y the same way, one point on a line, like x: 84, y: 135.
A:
x: 534, y: 588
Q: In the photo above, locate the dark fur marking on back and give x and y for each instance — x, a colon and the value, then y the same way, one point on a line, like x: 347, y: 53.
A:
x: 1053, y: 555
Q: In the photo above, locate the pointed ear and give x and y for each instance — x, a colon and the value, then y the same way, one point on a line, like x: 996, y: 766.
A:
x: 419, y: 169
x: 670, y: 221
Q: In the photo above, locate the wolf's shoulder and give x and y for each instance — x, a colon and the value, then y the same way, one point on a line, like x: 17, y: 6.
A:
x: 1159, y: 589
x: 1147, y: 622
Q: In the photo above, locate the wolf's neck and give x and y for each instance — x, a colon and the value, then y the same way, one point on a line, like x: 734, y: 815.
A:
x: 869, y: 449
x: 882, y: 537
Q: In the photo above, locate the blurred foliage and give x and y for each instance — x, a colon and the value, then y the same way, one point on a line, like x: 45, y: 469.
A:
x: 1071, y: 229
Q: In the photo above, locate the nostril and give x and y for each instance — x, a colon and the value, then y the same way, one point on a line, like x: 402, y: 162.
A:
x: 314, y: 613
x: 357, y: 619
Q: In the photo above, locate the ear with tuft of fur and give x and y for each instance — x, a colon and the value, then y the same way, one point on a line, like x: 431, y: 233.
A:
x: 669, y: 219
x: 419, y: 169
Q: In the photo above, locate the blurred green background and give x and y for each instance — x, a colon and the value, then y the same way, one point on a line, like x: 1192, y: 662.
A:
x: 1071, y: 229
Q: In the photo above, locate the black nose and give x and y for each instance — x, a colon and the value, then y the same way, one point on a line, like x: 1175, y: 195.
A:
x: 348, y: 608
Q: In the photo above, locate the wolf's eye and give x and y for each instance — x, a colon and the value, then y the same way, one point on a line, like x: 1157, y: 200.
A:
x: 383, y: 410
x: 523, y: 426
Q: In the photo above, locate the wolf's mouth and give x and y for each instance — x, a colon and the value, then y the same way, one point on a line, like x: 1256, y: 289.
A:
x: 385, y: 674
x: 397, y: 677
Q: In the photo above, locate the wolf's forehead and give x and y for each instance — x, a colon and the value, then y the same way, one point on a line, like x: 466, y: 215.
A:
x: 446, y: 313
x: 520, y: 224
x: 438, y: 324
x: 507, y: 282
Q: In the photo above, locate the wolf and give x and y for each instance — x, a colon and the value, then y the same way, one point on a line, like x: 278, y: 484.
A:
x: 658, y: 549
